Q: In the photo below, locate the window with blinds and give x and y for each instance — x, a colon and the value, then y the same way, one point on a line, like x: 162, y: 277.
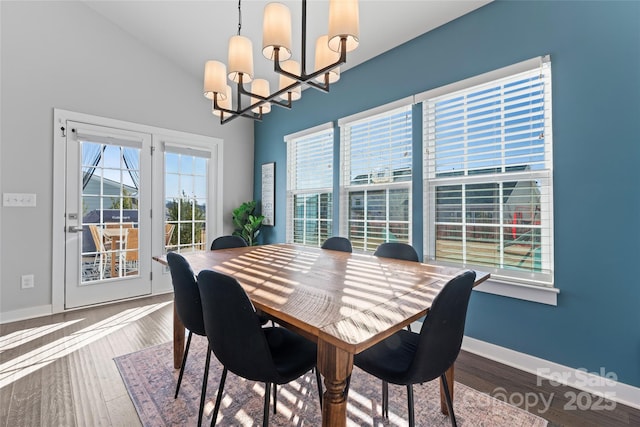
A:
x: 376, y: 178
x: 310, y: 187
x: 488, y: 177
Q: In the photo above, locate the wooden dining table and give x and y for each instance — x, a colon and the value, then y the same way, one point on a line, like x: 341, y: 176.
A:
x: 346, y: 302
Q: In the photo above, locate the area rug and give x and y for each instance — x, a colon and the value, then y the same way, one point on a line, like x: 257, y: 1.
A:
x: 150, y: 380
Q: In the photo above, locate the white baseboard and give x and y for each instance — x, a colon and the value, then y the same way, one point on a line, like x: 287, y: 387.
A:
x: 603, y: 383
x: 26, y: 313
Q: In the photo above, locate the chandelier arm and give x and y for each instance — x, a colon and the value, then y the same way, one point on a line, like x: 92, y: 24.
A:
x: 324, y: 87
x: 303, y: 77
x: 238, y: 113
x: 233, y: 113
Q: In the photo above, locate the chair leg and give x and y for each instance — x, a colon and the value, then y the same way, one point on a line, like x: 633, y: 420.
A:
x: 219, y: 397
x: 385, y: 399
x: 447, y: 396
x: 184, y: 361
x: 319, y: 382
x: 275, y: 398
x: 411, y: 416
x: 205, y: 378
x: 265, y: 411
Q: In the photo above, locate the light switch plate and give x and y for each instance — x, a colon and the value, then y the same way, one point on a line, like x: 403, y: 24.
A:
x: 19, y: 200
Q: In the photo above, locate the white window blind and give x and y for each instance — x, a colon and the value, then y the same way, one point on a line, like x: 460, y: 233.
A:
x: 488, y: 177
x: 310, y: 187
x: 376, y: 178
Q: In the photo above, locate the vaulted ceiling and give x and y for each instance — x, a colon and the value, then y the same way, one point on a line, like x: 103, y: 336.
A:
x: 189, y: 33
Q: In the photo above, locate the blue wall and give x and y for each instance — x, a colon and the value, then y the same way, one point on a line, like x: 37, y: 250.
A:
x: 595, y: 54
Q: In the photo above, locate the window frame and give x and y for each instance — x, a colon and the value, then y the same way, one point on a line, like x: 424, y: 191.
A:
x: 347, y: 187
x: 525, y: 285
x: 292, y: 191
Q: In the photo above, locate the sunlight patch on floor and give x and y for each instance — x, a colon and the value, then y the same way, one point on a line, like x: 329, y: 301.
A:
x: 31, y: 361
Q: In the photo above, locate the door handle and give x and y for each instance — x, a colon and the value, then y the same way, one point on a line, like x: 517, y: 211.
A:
x: 75, y: 229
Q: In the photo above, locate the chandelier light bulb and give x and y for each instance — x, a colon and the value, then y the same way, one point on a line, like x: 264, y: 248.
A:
x: 225, y: 102
x: 343, y: 22
x: 240, y: 59
x: 292, y: 67
x: 215, y: 79
x: 260, y: 87
x: 276, y: 31
x: 325, y: 57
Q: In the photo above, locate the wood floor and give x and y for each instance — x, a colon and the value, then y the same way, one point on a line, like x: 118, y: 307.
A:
x: 59, y: 371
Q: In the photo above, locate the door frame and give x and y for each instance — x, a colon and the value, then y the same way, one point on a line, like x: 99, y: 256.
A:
x: 161, y: 282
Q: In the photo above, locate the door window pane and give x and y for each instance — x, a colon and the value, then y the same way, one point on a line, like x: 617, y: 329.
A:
x: 110, y: 205
x: 185, y: 202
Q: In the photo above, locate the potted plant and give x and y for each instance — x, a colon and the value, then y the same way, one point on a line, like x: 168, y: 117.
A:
x: 247, y: 225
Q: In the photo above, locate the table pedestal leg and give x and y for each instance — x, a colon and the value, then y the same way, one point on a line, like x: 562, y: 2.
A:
x: 443, y: 400
x: 335, y: 365
x: 178, y: 339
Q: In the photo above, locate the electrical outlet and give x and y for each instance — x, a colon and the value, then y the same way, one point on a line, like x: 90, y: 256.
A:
x: 27, y: 281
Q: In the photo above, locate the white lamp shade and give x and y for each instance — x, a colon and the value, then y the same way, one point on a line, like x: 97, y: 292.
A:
x: 240, y: 59
x: 215, y: 79
x: 224, y: 103
x: 343, y: 22
x: 276, y: 31
x: 324, y: 57
x: 260, y: 87
x: 294, y: 68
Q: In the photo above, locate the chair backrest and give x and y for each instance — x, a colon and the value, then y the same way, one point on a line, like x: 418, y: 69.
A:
x: 338, y: 244
x: 225, y: 242
x: 131, y: 245
x: 118, y: 225
x: 397, y: 250
x: 97, y: 238
x: 233, y: 328
x: 185, y: 293
x: 442, y: 330
x: 168, y: 232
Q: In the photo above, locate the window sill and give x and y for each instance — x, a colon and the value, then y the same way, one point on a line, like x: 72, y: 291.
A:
x: 539, y: 294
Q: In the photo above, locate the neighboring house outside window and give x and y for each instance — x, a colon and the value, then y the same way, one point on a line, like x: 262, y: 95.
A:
x: 488, y: 177
x: 376, y: 178
x: 310, y: 186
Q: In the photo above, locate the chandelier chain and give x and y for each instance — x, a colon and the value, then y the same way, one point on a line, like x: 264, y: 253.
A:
x: 239, y: 16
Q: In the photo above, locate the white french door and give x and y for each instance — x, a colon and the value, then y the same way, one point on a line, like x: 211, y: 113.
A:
x: 107, y: 214
x: 124, y: 192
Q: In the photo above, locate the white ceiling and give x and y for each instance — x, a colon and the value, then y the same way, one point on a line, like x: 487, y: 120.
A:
x: 189, y: 33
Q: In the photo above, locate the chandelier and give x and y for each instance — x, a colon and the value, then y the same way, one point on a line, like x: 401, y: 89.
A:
x: 331, y: 52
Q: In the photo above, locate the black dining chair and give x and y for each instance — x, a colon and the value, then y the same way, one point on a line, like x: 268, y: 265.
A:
x: 397, y: 250
x: 226, y: 242
x: 338, y: 244
x: 189, y: 308
x: 272, y: 355
x: 407, y: 358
